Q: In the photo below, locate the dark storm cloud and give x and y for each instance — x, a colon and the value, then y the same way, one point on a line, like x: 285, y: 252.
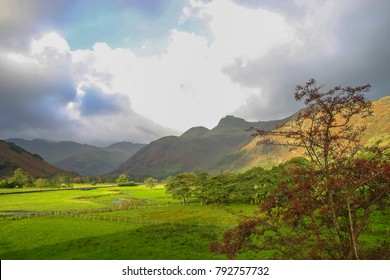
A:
x: 38, y: 90
x: 96, y: 102
x: 350, y: 47
x: 31, y: 96
x: 34, y: 103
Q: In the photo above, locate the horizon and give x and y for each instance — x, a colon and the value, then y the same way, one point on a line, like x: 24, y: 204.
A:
x: 106, y: 72
x: 106, y: 144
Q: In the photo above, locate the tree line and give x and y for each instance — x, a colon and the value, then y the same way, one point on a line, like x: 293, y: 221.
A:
x: 22, y: 179
x: 253, y: 186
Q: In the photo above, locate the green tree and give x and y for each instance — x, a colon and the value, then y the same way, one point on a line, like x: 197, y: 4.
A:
x: 6, y: 184
x: 182, y: 186
x: 122, y: 179
x: 201, y: 190
x: 150, y: 182
x: 65, y: 181
x: 21, y: 179
x: 42, y: 183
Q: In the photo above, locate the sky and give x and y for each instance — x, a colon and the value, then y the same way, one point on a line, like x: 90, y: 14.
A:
x: 100, y: 71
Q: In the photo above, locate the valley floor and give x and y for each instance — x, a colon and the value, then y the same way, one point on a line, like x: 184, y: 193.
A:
x: 111, y: 222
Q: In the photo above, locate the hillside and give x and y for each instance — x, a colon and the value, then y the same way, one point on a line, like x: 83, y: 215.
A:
x: 198, y: 149
x: 84, y: 159
x: 378, y: 127
x: 13, y: 157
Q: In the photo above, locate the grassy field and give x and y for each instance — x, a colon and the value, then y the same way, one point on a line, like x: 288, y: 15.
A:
x: 108, y: 222
x: 111, y: 222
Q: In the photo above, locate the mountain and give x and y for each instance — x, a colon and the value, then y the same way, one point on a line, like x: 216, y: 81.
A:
x: 197, y: 149
x: 84, y: 159
x: 13, y: 157
x: 378, y: 127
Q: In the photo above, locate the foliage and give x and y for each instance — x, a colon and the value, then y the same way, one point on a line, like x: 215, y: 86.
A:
x: 43, y: 183
x: 21, y: 179
x: 253, y: 186
x: 7, y: 183
x: 150, y: 182
x: 322, y: 210
x: 182, y: 186
x: 122, y: 179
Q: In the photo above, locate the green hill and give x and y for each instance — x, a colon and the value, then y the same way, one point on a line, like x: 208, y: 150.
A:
x: 198, y: 149
x: 13, y: 157
x: 84, y: 159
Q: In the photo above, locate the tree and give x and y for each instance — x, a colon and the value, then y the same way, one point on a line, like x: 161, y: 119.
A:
x: 42, y: 183
x: 65, y: 181
x: 321, y: 212
x: 122, y: 179
x: 21, y: 179
x: 182, y: 186
x: 150, y: 182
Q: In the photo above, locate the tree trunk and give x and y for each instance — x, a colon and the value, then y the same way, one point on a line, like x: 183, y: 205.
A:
x: 353, y: 237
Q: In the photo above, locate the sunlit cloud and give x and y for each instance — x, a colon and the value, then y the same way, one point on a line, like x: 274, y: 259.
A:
x: 70, y: 73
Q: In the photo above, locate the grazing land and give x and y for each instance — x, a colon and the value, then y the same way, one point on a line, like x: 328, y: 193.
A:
x: 108, y: 222
x: 111, y: 222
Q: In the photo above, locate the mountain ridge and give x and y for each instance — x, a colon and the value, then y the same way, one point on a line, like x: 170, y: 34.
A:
x: 226, y: 147
x: 197, y: 149
x: 84, y: 159
x: 13, y: 156
x: 378, y: 127
x: 230, y: 147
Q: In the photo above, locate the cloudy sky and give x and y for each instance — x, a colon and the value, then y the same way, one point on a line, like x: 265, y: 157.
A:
x: 98, y: 71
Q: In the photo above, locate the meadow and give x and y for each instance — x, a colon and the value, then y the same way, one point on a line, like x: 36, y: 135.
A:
x: 112, y: 222
x: 108, y: 222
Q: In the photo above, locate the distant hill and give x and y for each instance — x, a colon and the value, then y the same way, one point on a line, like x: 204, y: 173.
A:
x: 198, y: 149
x: 13, y: 157
x: 227, y: 147
x: 84, y: 159
x: 378, y: 127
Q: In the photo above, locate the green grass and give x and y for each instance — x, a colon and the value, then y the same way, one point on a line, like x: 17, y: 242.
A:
x: 158, y: 227
x: 104, y: 227
x: 64, y: 238
x: 48, y: 201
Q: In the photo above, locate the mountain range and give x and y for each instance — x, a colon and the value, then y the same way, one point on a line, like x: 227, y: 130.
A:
x: 198, y: 149
x: 230, y: 147
x: 84, y: 159
x: 13, y: 157
x: 226, y: 147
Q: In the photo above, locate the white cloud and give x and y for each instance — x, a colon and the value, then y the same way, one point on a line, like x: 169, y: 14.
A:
x: 243, y: 33
x: 50, y: 40
x: 246, y: 61
x: 187, y: 86
x: 184, y: 86
x: 19, y: 58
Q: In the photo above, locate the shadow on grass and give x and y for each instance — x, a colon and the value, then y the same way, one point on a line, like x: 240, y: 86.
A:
x: 156, y: 242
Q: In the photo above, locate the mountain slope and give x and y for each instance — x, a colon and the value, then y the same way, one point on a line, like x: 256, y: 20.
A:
x: 378, y: 127
x: 13, y: 157
x: 198, y: 149
x: 81, y: 158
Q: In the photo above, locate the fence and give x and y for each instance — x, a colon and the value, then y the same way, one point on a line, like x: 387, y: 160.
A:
x: 88, y: 215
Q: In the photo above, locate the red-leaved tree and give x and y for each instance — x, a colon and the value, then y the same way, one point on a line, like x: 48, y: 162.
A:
x: 321, y: 213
